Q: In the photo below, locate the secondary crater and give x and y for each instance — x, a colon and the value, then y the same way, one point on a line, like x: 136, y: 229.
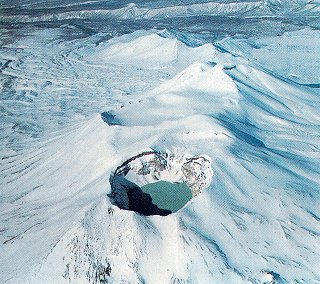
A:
x: 159, y: 183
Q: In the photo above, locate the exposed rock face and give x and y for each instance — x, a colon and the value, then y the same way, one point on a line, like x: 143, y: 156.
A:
x: 151, y: 166
x: 197, y: 173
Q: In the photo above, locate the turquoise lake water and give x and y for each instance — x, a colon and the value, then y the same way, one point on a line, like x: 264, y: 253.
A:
x: 166, y: 195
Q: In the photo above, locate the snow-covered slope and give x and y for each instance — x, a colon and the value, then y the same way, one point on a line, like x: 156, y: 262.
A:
x: 95, y: 103
x: 144, y: 51
x: 292, y: 55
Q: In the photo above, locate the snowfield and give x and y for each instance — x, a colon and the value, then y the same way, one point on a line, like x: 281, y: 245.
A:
x: 77, y: 102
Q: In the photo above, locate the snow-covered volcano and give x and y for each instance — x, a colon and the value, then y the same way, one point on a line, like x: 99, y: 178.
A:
x: 235, y: 116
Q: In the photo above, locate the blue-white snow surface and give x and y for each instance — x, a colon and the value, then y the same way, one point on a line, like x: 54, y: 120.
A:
x: 237, y: 81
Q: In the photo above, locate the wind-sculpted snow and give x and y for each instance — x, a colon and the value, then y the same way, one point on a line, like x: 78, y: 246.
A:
x: 77, y: 104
